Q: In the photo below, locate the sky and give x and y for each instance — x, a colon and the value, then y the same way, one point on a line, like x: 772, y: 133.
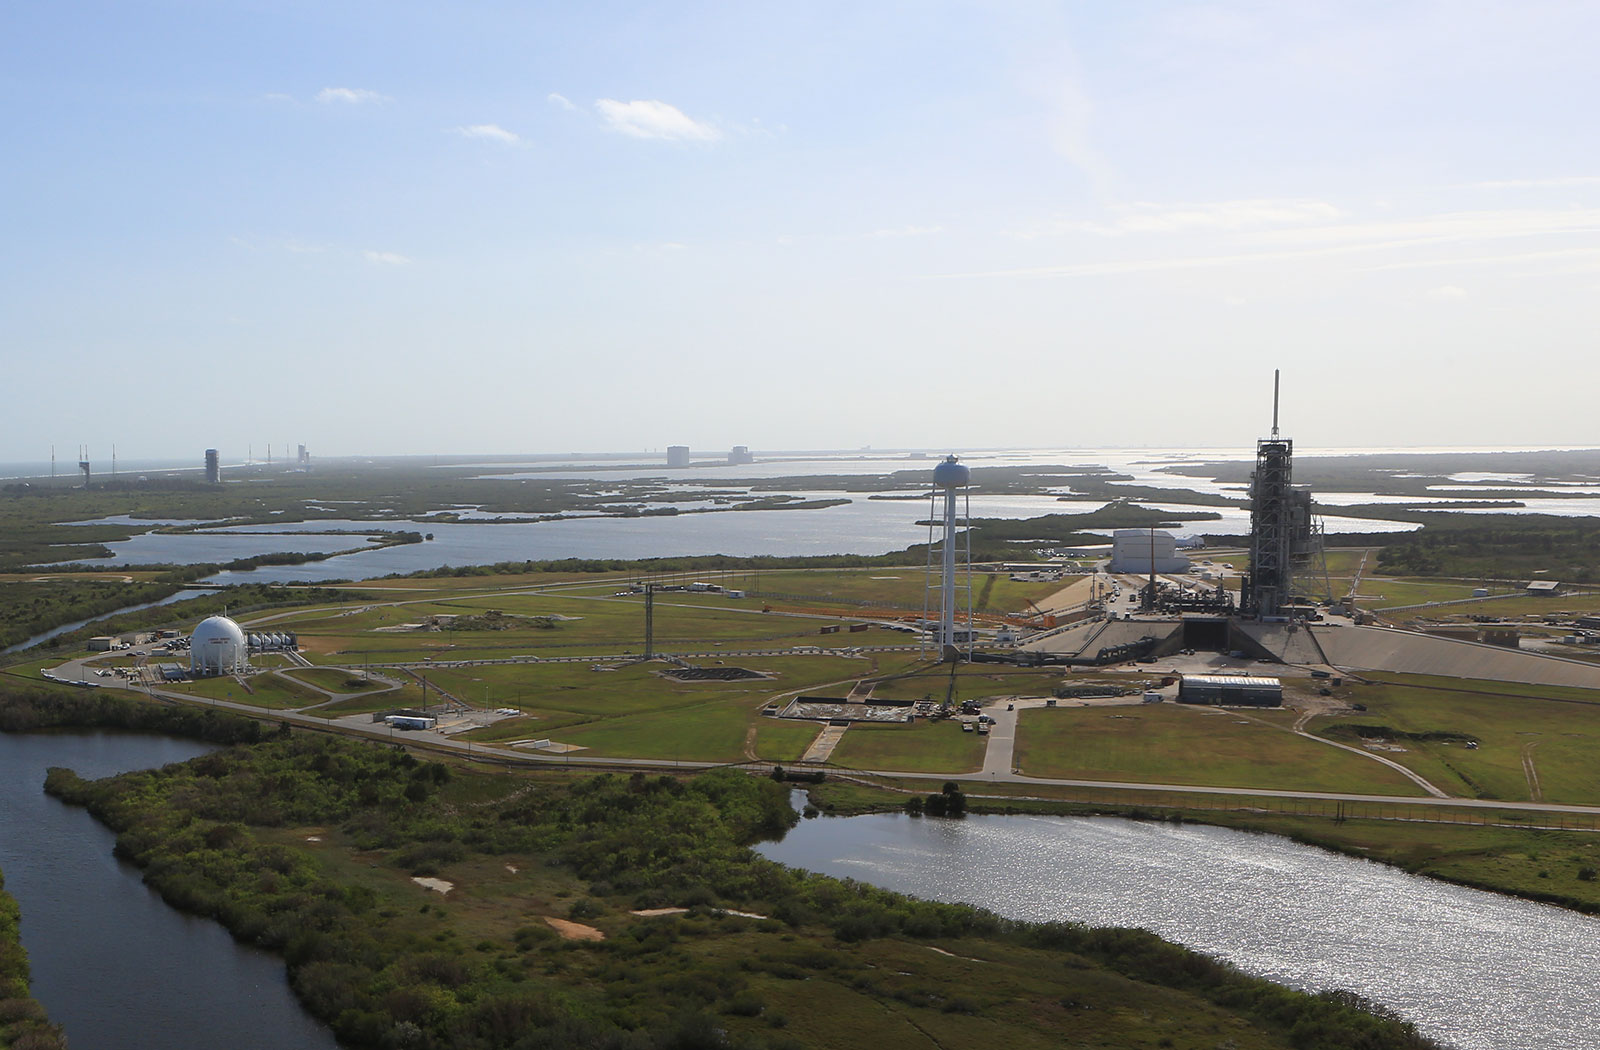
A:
x: 400, y: 227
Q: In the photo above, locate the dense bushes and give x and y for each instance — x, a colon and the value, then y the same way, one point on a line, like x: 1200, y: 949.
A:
x: 23, y: 1025
x: 28, y: 708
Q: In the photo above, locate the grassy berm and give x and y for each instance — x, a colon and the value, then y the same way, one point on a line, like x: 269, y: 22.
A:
x: 311, y: 846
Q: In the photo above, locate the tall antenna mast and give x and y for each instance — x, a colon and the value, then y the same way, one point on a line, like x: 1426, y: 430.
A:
x: 1274, y: 404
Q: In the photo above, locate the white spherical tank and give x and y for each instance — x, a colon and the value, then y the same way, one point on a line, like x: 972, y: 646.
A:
x: 217, y: 647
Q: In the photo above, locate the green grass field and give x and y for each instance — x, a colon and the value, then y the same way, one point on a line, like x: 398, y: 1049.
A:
x: 334, y: 681
x: 916, y: 747
x: 900, y: 587
x: 1383, y: 593
x: 1207, y: 747
x: 1512, y: 724
x: 272, y: 691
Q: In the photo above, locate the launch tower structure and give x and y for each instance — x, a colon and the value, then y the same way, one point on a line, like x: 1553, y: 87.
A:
x: 1272, y: 523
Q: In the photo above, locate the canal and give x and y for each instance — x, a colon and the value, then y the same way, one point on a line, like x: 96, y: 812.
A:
x: 112, y: 963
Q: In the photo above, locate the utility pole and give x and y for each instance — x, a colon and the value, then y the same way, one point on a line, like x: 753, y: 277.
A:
x: 1150, y: 599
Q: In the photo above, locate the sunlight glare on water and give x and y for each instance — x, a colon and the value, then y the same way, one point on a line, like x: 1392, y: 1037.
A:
x: 1473, y: 970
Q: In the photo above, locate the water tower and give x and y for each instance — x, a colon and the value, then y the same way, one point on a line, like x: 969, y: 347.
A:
x: 953, y: 556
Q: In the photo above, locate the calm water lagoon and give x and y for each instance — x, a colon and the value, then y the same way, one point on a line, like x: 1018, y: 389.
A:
x: 112, y: 963
x: 1473, y: 970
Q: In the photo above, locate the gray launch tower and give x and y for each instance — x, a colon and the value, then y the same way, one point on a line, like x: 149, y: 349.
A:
x: 1273, y: 516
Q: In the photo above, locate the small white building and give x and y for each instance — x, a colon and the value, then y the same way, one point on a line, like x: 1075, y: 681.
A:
x: 1133, y: 551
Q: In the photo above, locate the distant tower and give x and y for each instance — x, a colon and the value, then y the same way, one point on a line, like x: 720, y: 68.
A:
x: 83, y: 464
x: 304, y: 458
x: 954, y: 557
x: 213, y: 467
x: 1272, y: 522
x: 677, y: 455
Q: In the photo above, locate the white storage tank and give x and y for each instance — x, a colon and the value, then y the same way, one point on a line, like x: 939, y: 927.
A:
x: 217, y: 647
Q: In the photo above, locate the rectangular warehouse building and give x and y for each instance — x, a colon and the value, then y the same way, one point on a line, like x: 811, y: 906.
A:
x: 1230, y: 690
x: 1146, y: 550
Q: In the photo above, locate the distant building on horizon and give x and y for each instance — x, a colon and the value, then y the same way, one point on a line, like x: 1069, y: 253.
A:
x: 740, y: 455
x: 677, y: 455
x: 213, y: 467
x: 304, y: 459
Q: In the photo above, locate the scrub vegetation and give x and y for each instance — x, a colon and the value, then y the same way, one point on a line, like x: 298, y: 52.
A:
x: 1500, y: 547
x: 310, y: 845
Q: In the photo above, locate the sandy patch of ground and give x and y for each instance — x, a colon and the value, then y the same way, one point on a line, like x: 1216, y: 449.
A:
x: 436, y: 885
x: 574, y: 931
x: 650, y: 913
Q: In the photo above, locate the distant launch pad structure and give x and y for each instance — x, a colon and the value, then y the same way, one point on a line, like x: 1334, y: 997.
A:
x: 953, y: 554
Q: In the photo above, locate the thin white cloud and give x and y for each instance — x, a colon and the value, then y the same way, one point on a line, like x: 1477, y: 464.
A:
x: 1539, y: 184
x: 385, y: 258
x: 489, y: 133
x: 1447, y: 293
x: 350, y: 96
x: 907, y: 231
x: 1589, y: 255
x: 1452, y: 226
x: 654, y: 119
x: 558, y: 99
x: 1221, y: 216
x: 1278, y: 246
x: 277, y: 96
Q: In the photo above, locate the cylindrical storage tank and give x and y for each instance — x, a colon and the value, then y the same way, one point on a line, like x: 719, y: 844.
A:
x: 217, y: 647
x: 951, y: 474
x: 255, y: 641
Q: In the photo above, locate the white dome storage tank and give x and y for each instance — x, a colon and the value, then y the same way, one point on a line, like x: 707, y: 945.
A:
x: 217, y: 647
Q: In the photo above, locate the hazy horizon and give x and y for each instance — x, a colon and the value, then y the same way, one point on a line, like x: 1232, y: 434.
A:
x: 66, y: 467
x: 960, y: 224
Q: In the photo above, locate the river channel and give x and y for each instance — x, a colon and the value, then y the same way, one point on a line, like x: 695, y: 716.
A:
x: 112, y: 963
x: 1473, y: 970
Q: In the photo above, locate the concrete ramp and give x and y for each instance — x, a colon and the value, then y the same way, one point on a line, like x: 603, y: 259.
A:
x: 1384, y: 649
x: 1291, y: 643
x: 1065, y: 641
x: 1086, y: 641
